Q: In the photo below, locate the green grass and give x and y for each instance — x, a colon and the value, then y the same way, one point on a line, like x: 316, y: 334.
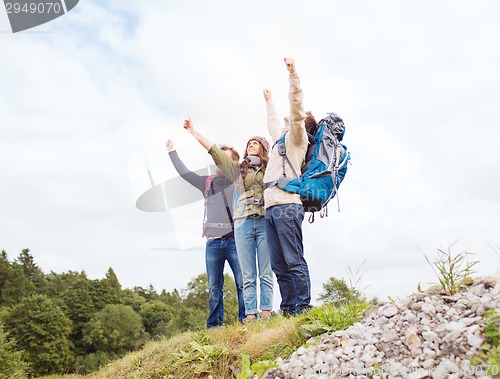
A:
x: 242, y: 351
x: 452, y: 270
x: 233, y: 351
x: 489, y: 355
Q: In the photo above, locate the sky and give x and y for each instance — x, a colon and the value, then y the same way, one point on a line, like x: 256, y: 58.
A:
x: 88, y: 100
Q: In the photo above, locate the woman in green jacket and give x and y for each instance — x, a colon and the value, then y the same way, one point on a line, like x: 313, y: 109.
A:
x: 249, y: 222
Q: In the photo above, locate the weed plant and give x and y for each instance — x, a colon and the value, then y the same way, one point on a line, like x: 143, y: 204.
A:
x: 452, y: 270
x: 328, y: 318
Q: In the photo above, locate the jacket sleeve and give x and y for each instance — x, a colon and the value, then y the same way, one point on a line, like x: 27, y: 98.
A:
x: 192, y: 178
x: 273, y: 123
x: 297, y: 113
x: 225, y: 164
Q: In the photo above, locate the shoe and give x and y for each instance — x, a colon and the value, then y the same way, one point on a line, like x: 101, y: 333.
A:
x: 287, y: 313
x: 265, y: 317
x: 248, y: 320
x: 304, y: 309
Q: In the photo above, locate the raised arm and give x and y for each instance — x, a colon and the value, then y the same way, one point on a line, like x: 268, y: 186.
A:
x: 204, y: 141
x: 273, y: 123
x: 192, y: 178
x: 297, y: 113
x: 226, y: 165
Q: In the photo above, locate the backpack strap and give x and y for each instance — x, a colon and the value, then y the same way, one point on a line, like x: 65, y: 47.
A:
x: 335, y: 166
x: 208, y: 186
x: 284, y: 180
x: 282, y: 151
x: 285, y: 158
x: 228, y: 210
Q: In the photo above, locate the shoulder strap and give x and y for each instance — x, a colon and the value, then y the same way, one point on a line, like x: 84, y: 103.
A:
x: 282, y: 151
x: 280, y: 143
x: 228, y: 210
x: 208, y: 185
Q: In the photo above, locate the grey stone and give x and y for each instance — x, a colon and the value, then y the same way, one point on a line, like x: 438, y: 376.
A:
x: 423, y: 336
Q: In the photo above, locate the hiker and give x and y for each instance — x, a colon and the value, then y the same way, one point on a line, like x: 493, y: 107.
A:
x: 219, y: 232
x: 249, y: 223
x: 284, y: 210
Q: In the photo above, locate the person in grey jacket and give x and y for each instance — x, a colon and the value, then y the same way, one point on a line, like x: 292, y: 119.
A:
x: 217, y: 191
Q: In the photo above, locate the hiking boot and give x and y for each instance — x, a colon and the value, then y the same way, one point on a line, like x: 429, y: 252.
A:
x: 287, y: 313
x: 304, y: 309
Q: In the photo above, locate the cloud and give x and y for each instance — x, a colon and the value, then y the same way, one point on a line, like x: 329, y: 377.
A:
x: 416, y: 86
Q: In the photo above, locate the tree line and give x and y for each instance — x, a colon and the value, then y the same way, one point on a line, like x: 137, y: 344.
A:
x: 62, y: 323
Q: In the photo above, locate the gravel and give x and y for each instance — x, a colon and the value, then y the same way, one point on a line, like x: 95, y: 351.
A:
x: 426, y: 335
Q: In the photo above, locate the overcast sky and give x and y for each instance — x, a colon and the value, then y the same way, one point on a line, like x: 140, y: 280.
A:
x: 88, y: 100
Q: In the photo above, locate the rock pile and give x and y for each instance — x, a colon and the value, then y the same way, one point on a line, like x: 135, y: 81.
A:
x: 423, y: 336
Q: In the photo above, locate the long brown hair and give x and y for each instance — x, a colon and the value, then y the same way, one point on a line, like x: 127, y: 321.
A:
x: 245, y: 164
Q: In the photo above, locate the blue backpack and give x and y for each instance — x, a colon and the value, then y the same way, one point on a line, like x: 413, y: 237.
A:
x: 324, y: 167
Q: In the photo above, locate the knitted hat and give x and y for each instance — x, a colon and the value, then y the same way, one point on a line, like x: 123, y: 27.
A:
x: 262, y: 141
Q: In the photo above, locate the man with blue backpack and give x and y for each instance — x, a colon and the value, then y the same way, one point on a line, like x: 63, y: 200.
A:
x: 284, y: 210
x: 305, y: 168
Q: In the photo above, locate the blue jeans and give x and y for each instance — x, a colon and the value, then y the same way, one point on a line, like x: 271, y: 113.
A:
x: 251, y: 244
x: 284, y: 237
x: 217, y: 252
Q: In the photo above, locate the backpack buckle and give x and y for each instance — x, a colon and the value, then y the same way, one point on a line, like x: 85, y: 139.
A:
x: 281, y: 149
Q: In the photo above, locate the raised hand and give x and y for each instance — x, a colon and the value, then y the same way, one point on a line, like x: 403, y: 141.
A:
x: 267, y: 95
x: 189, y: 126
x: 205, y: 142
x: 170, y: 145
x: 290, y: 65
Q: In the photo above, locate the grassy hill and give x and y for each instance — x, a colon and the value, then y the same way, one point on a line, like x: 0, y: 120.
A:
x: 227, y: 352
x: 250, y: 350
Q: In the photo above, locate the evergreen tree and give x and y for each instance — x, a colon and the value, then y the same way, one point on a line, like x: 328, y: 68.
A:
x: 56, y: 285
x: 31, y: 271
x: 103, y: 293
x: 12, y: 365
x: 79, y: 307
x: 149, y: 293
x: 4, y: 268
x: 113, y: 283
x: 27, y: 262
x: 42, y: 330
x: 72, y: 277
x: 15, y: 286
x: 132, y: 298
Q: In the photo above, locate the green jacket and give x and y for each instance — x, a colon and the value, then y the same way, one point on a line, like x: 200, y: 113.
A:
x: 251, y: 198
